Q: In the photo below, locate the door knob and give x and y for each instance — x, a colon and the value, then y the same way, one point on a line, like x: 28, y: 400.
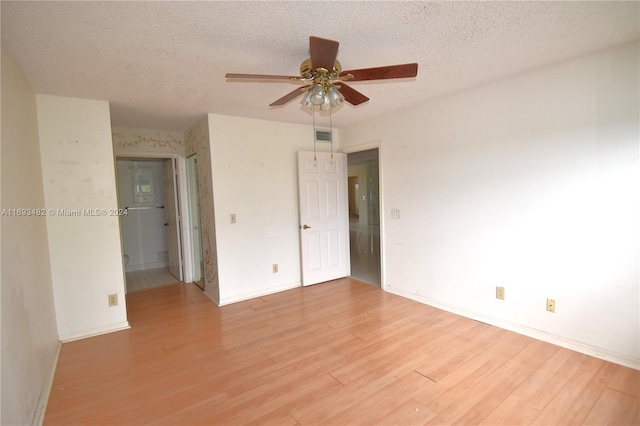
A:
x: 306, y: 227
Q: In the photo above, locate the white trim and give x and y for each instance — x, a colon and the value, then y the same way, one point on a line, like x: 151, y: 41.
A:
x: 70, y: 337
x: 45, y: 392
x: 573, y: 345
x: 185, y: 220
x: 362, y: 147
x: 247, y: 296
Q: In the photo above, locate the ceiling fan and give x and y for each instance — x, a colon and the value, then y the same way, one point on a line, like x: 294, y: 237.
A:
x: 325, y: 78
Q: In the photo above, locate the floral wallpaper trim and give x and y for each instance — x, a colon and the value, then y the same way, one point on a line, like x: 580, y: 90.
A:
x: 131, y: 139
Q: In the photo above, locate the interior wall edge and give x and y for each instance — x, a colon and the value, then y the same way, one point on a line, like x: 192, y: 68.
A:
x: 47, y: 385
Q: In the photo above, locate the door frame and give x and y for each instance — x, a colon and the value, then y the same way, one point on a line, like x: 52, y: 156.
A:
x: 182, y: 201
x: 173, y: 213
x: 197, y: 261
x: 365, y: 147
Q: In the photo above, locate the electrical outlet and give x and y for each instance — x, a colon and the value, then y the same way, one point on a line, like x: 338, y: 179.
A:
x: 113, y: 299
x: 551, y: 305
x: 275, y: 268
x: 233, y: 218
x: 500, y: 293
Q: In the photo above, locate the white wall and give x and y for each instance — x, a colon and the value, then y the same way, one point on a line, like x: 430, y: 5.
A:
x: 255, y: 177
x: 530, y: 183
x: 29, y: 334
x: 144, y: 235
x: 79, y: 174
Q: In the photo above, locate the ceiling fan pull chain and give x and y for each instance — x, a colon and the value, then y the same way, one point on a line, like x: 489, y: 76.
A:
x: 331, y: 129
x: 313, y: 115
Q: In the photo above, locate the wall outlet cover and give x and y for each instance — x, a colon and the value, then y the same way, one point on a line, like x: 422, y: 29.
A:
x: 113, y: 299
x: 551, y: 305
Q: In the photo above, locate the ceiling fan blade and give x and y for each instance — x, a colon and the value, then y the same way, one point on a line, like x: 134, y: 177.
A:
x: 290, y: 96
x: 351, y: 95
x: 382, y: 73
x: 262, y: 76
x: 323, y: 52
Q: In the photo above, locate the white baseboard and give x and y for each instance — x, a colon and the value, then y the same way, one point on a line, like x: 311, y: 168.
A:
x: 70, y: 337
x: 573, y: 345
x: 265, y: 292
x: 45, y: 392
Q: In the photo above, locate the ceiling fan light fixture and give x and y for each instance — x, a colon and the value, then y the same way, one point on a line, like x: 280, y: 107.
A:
x: 306, y: 101
x: 335, y: 97
x: 326, y: 105
x: 317, y: 95
x: 320, y: 96
x: 332, y: 99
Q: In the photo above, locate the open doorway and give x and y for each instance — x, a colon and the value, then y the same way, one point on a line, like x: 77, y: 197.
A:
x: 147, y: 190
x: 364, y: 215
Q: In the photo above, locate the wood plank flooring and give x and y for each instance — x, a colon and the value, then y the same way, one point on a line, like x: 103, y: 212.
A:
x: 337, y: 353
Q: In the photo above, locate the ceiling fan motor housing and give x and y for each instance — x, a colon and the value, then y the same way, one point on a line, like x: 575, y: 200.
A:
x: 307, y: 72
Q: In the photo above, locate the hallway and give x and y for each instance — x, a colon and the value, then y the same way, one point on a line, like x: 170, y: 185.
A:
x: 364, y: 216
x: 148, y: 278
x: 365, y: 251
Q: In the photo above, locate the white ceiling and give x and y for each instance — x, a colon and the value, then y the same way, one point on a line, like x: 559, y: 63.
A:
x: 161, y: 65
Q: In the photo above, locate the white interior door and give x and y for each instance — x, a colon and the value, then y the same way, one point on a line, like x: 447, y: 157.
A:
x: 172, y: 217
x: 324, y: 221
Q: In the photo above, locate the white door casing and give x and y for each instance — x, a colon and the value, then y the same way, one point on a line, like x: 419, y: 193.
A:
x: 172, y: 218
x: 194, y: 216
x: 324, y: 220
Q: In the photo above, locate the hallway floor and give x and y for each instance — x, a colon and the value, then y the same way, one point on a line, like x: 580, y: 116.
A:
x: 365, y: 251
x: 148, y: 278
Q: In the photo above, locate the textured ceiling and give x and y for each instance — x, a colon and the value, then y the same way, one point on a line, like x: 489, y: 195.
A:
x: 161, y: 65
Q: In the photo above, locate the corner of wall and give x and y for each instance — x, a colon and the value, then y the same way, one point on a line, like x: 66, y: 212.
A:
x: 197, y: 141
x: 29, y: 328
x: 83, y: 227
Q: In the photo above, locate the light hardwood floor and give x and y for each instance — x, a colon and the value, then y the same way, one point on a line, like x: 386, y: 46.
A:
x: 336, y: 353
